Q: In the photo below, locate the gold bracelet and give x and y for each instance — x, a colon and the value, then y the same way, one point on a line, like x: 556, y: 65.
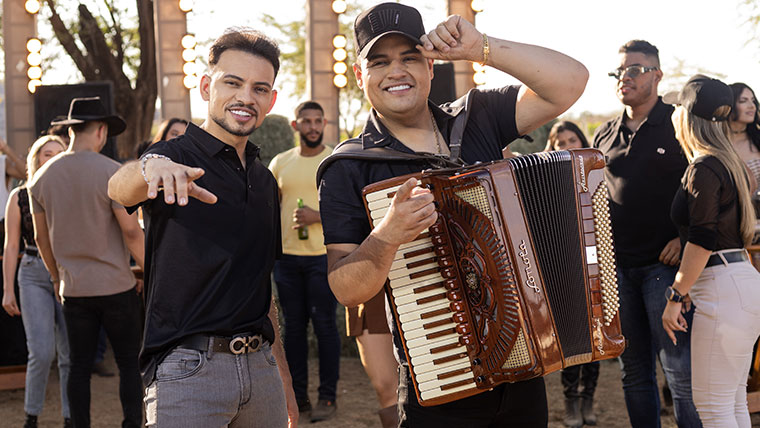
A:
x: 486, y: 50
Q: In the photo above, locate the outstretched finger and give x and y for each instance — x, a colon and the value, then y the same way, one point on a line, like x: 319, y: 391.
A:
x: 153, y: 188
x: 168, y: 180
x: 181, y: 181
x: 201, y: 194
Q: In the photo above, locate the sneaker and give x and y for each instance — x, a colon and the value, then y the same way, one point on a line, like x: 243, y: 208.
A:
x: 101, y: 370
x: 325, y: 410
x: 304, y: 408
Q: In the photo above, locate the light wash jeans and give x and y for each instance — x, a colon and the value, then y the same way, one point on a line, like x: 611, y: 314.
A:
x: 45, y: 334
x: 726, y: 326
x: 204, y: 389
x: 642, y: 300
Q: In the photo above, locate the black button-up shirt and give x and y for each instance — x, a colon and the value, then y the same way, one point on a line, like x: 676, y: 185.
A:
x: 207, y: 267
x: 644, y: 169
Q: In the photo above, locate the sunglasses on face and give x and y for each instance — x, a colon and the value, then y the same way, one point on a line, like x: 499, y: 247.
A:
x: 632, y: 71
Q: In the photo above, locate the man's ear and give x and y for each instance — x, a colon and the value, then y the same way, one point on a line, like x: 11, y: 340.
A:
x: 274, y: 98
x: 359, y: 77
x: 431, y: 68
x: 204, y: 87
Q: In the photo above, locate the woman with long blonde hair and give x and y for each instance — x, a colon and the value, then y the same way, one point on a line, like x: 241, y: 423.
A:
x: 715, y: 218
x: 43, y: 314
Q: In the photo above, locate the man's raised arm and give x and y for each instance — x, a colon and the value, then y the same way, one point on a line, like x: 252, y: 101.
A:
x: 129, y: 186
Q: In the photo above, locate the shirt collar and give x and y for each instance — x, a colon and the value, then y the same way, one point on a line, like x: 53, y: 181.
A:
x: 212, y: 146
x: 659, y: 112
x: 375, y: 134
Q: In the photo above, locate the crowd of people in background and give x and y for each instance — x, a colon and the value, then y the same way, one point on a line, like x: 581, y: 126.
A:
x: 198, y: 343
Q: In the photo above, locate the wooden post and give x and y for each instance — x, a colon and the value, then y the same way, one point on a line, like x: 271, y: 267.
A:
x: 321, y: 27
x: 171, y: 26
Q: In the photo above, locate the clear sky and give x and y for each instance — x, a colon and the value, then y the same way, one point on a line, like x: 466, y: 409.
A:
x: 705, y: 35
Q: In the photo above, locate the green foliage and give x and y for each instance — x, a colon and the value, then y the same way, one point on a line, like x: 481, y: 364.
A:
x: 275, y: 135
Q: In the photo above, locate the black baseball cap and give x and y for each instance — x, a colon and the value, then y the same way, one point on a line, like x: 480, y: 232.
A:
x: 383, y: 19
x: 701, y: 96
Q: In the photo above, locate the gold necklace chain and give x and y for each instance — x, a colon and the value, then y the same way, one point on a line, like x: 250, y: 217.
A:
x: 438, y: 136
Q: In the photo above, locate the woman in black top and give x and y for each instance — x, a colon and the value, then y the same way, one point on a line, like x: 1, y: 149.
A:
x: 715, y: 218
x: 42, y: 312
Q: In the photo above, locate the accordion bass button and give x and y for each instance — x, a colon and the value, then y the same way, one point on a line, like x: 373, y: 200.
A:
x: 463, y: 329
x: 446, y: 261
x: 459, y: 317
x: 454, y: 295
x: 438, y: 239
x: 476, y: 362
x: 467, y: 340
x: 451, y: 284
x: 449, y: 273
x: 457, y: 306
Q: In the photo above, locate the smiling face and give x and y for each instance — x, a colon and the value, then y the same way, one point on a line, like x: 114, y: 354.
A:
x: 239, y: 93
x: 745, y: 109
x: 395, y: 77
x: 641, y: 89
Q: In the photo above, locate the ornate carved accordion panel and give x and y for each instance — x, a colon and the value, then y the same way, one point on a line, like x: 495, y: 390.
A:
x: 515, y: 280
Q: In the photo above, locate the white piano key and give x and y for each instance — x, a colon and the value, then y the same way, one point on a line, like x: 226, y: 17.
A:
x: 409, y: 289
x: 424, y: 307
x: 420, y: 332
x: 378, y: 204
x: 435, y: 393
x: 398, y: 282
x: 415, y: 245
x: 423, y: 347
x: 415, y: 315
x: 426, y: 358
x: 428, y: 344
x: 383, y: 194
x: 401, y: 263
x: 437, y: 384
x: 403, y: 273
x: 414, y: 325
x: 427, y: 371
x: 379, y: 213
x: 414, y: 297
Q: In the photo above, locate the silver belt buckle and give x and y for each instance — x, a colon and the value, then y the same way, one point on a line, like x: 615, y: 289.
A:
x: 245, y: 344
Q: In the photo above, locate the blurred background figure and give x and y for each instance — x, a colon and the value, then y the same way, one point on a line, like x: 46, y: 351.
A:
x: 579, y: 405
x: 565, y: 135
x: 744, y: 126
x: 168, y: 129
x: 11, y: 166
x: 43, y: 314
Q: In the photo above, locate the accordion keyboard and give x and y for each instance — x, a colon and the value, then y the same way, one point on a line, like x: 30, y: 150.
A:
x: 417, y: 282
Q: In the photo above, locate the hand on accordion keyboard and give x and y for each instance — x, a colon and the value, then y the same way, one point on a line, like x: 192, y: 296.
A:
x: 411, y: 211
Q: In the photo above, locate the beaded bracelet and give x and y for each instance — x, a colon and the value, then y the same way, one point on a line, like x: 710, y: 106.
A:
x: 144, y: 160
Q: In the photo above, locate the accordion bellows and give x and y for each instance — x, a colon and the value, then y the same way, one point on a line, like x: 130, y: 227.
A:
x: 515, y: 280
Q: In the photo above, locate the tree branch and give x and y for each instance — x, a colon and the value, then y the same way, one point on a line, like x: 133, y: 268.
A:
x: 118, y: 39
x: 94, y: 41
x: 66, y: 39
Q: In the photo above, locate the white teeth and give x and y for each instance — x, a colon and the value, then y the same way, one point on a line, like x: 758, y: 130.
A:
x: 241, y: 113
x: 398, y: 88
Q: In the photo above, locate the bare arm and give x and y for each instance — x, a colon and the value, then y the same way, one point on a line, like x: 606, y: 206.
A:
x: 42, y: 237
x: 133, y: 235
x: 282, y: 366
x: 693, y: 263
x: 553, y: 81
x: 10, y: 251
x: 357, y: 272
x: 14, y: 165
x: 128, y: 187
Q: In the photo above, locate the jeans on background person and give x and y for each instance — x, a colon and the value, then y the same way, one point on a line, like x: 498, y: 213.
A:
x: 119, y: 314
x: 305, y: 294
x: 45, y: 331
x: 210, y: 389
x: 642, y: 301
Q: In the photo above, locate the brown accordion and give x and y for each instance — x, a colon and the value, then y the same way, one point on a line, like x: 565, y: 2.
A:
x: 515, y: 280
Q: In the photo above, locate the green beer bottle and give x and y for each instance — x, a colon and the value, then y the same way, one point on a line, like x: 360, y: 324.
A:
x: 303, y: 231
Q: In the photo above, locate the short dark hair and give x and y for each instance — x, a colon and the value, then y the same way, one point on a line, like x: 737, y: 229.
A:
x: 79, y: 128
x: 58, y: 130
x: 308, y: 105
x: 641, y: 46
x: 247, y: 40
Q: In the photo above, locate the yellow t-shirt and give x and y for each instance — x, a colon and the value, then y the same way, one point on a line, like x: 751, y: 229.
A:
x: 296, y: 177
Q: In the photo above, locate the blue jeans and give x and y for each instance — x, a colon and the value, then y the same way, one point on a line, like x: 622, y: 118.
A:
x: 120, y: 315
x: 642, y: 300
x: 199, y: 389
x: 305, y: 294
x: 45, y: 334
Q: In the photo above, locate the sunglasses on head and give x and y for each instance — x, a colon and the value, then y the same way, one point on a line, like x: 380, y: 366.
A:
x: 632, y: 71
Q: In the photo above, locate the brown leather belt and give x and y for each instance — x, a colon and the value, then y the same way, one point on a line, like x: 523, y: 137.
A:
x: 239, y: 344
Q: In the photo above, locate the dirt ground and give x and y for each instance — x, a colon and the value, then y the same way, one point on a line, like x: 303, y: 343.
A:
x: 356, y: 401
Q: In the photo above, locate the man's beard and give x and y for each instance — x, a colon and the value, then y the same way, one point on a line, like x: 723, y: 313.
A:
x: 239, y: 132
x: 311, y: 144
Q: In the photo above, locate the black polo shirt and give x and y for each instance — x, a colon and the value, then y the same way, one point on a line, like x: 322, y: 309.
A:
x: 490, y: 127
x: 644, y: 169
x: 207, y: 267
